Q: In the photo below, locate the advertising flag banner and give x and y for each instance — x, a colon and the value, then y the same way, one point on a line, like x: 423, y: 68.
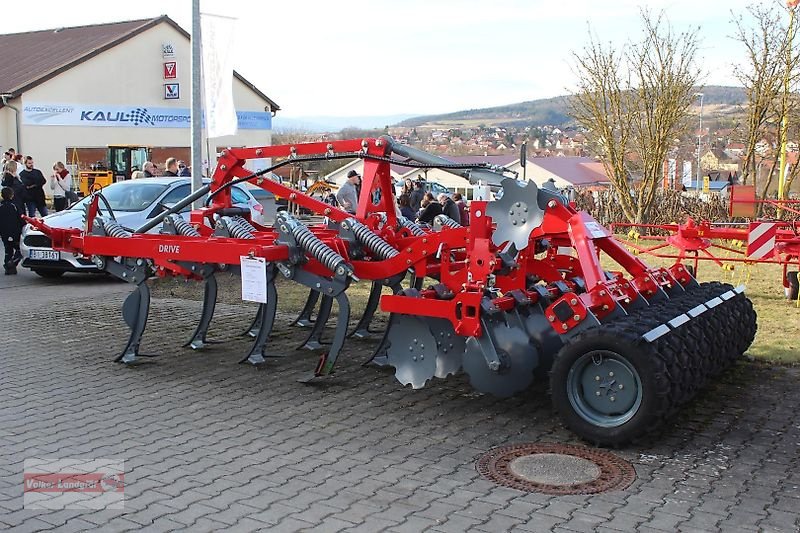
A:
x: 686, y: 178
x: 217, y: 47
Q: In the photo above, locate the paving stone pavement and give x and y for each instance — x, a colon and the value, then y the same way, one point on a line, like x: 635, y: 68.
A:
x: 210, y: 444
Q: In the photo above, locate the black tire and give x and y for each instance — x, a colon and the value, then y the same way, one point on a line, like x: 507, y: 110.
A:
x: 49, y: 274
x: 640, y: 408
x: 794, y: 285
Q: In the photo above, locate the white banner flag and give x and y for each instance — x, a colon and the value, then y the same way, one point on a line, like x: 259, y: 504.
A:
x: 217, y: 43
x: 687, y: 174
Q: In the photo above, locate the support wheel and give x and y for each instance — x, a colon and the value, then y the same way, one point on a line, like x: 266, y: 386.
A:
x: 608, y: 387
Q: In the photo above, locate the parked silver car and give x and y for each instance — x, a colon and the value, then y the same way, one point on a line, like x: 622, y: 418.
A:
x: 133, y: 203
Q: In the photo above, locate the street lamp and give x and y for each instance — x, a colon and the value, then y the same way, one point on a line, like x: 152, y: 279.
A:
x: 699, y: 139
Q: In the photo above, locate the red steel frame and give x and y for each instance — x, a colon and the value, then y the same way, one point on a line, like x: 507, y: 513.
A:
x: 464, y: 259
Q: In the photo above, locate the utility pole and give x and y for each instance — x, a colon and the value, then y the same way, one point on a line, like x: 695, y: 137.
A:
x: 699, y: 140
x: 196, y: 103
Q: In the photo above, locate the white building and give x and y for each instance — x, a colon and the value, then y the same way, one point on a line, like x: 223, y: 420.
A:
x: 68, y: 93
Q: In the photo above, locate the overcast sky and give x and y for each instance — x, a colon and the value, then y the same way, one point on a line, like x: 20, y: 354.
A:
x: 382, y: 57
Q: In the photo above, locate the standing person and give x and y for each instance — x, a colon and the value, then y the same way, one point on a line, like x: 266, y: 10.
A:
x: 149, y: 169
x: 171, y: 167
x: 34, y: 182
x: 61, y: 185
x: 347, y: 195
x: 11, y: 180
x: 10, y: 230
x: 408, y: 187
x: 449, y: 208
x: 405, y: 207
x: 417, y: 195
x: 183, y: 170
x: 463, y: 208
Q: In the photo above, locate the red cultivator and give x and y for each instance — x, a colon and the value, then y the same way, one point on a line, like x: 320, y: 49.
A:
x: 519, y: 292
x: 728, y: 244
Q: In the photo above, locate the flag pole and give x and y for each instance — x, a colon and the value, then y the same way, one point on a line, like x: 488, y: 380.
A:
x: 197, y: 112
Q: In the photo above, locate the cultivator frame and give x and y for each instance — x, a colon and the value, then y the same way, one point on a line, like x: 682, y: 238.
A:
x: 726, y: 244
x: 504, y: 303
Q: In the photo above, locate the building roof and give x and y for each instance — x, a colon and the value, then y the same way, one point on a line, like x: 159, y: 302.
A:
x: 578, y: 171
x: 31, y: 58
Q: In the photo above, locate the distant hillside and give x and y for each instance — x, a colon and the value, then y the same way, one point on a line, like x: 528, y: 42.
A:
x: 555, y: 111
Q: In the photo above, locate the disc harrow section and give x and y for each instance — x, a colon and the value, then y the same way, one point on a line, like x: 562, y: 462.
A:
x: 517, y: 295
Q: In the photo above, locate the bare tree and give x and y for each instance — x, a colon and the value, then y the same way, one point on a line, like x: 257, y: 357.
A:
x: 634, y: 104
x: 764, y: 39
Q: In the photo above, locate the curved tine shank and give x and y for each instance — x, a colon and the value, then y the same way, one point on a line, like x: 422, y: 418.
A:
x: 327, y: 360
x: 314, y: 340
x: 361, y: 330
x: 198, y: 338
x: 255, y: 325
x: 135, y: 310
x: 266, y: 312
x: 303, y: 320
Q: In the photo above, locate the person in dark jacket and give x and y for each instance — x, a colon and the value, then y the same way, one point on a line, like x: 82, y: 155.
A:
x: 171, y: 167
x: 10, y: 230
x: 405, y: 207
x: 430, y: 209
x: 449, y: 208
x: 11, y: 180
x: 416, y: 196
x: 183, y: 170
x: 34, y: 182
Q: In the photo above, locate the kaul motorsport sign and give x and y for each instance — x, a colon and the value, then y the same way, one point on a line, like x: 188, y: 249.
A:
x: 127, y: 116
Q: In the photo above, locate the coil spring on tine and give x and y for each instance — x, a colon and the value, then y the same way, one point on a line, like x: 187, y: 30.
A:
x: 316, y: 248
x: 183, y: 227
x: 411, y: 226
x: 373, y: 242
x: 236, y: 230
x: 113, y: 229
x: 245, y: 223
x: 445, y: 220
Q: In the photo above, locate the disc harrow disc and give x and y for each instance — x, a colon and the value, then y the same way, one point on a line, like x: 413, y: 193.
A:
x: 515, y: 351
x: 412, y: 350
x: 516, y: 213
x: 449, y: 347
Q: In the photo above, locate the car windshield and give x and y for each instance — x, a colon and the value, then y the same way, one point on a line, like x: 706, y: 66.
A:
x: 128, y: 195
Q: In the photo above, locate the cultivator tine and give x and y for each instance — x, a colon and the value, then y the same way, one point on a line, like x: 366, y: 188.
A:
x: 379, y: 356
x: 267, y: 311
x: 135, y: 310
x: 198, y: 338
x: 303, y: 320
x: 362, y: 328
x: 255, y: 325
x: 328, y: 360
x: 314, y: 340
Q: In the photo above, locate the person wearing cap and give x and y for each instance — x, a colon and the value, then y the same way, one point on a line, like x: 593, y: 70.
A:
x: 347, y: 195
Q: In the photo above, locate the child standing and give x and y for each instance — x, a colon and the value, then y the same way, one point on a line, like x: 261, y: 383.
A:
x: 10, y: 230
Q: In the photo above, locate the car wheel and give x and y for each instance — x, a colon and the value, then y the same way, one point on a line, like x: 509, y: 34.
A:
x: 49, y: 274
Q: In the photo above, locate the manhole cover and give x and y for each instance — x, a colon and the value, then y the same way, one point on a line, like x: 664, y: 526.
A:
x: 556, y: 469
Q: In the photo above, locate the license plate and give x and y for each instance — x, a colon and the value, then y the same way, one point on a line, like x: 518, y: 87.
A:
x: 47, y: 255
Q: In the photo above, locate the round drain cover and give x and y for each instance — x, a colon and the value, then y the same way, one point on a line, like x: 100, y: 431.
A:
x: 556, y: 469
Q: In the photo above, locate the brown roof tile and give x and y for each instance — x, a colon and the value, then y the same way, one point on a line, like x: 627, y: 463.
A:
x: 31, y: 58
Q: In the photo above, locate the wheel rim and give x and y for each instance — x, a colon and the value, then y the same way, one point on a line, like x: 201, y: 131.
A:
x: 604, y: 388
